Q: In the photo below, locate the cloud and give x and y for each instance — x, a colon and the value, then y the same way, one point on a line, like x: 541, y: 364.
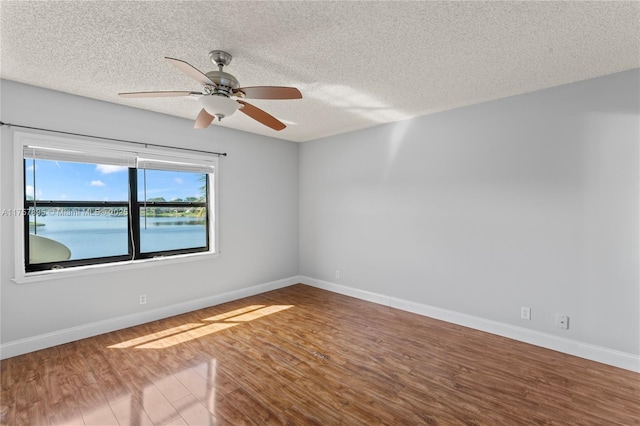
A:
x: 29, y: 192
x: 178, y: 180
x: 106, y: 169
x: 97, y: 183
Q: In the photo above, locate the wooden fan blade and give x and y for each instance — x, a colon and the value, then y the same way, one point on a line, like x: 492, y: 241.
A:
x: 270, y: 92
x: 261, y: 116
x: 203, y: 120
x: 157, y: 94
x: 191, y: 71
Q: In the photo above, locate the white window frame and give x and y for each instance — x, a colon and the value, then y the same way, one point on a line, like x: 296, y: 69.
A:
x: 22, y: 139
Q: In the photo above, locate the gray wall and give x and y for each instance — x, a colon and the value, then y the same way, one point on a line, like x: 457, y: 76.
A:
x: 526, y: 201
x: 258, y: 217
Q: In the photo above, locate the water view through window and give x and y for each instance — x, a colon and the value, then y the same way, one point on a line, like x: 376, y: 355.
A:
x: 85, y: 208
x: 91, y: 237
x: 184, y: 230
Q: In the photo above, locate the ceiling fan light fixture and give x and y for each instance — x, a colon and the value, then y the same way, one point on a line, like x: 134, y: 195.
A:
x: 219, y: 106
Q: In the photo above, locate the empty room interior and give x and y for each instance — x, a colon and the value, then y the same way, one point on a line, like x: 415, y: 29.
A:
x: 319, y: 213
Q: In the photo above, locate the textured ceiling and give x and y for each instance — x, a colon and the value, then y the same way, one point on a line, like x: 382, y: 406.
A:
x: 357, y: 64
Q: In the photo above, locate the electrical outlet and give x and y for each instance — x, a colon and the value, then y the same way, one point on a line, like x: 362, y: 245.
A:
x: 337, y: 274
x: 143, y: 299
x: 562, y: 321
x: 525, y: 313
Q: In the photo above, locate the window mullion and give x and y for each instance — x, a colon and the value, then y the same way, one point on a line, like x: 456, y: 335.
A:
x: 134, y: 214
x: 26, y: 206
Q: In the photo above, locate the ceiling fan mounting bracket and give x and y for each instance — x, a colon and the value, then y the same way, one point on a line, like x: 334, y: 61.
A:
x: 220, y: 58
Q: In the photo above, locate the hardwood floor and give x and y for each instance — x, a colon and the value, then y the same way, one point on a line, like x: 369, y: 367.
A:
x: 304, y: 356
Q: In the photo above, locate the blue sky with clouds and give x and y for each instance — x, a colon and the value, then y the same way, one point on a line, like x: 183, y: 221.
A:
x: 68, y: 181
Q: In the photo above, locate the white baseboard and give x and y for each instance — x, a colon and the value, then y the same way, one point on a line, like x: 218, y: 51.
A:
x: 23, y: 346
x: 572, y: 347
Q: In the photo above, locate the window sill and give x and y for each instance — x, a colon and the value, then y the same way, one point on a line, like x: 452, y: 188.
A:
x: 80, y: 271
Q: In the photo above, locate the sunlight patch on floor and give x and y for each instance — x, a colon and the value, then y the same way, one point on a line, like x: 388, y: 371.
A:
x: 259, y: 313
x: 156, y: 336
x: 186, y: 336
x: 233, y: 313
x: 190, y: 331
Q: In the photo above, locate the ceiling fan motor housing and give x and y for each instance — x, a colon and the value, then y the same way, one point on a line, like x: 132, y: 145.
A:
x: 226, y: 83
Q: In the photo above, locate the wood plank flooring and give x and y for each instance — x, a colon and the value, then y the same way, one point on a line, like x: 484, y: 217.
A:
x: 304, y: 356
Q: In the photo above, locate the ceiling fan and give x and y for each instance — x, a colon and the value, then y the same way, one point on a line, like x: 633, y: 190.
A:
x: 222, y: 95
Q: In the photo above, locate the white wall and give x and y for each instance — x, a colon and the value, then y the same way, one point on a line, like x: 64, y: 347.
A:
x: 258, y: 220
x: 526, y: 201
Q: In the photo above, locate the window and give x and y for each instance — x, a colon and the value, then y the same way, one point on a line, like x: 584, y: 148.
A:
x: 87, y: 204
x: 172, y: 211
